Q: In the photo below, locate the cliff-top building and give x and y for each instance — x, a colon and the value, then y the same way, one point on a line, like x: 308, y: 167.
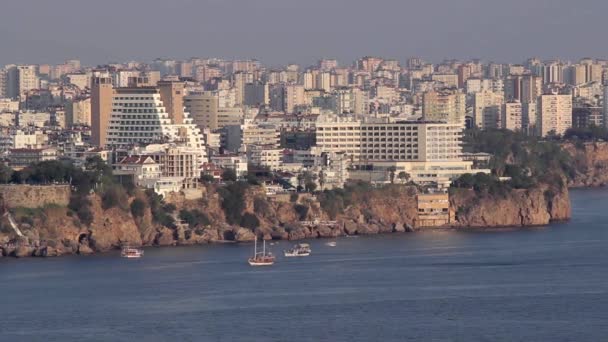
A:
x: 429, y: 151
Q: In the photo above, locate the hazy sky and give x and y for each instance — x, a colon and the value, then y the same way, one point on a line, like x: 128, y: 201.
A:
x: 300, y: 31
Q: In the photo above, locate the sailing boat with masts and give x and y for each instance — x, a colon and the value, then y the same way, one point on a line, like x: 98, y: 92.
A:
x: 261, y: 258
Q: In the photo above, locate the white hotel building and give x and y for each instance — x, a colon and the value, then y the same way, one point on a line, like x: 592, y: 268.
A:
x: 139, y: 117
x: 428, y: 151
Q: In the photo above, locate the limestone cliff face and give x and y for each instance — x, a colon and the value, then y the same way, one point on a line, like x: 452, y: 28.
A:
x: 29, y: 196
x: 54, y: 230
x: 590, y: 163
x: 386, y: 210
x: 537, y: 206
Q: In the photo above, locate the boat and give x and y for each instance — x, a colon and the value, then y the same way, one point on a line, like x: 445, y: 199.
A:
x: 263, y: 258
x: 331, y: 244
x: 299, y: 250
x: 131, y: 252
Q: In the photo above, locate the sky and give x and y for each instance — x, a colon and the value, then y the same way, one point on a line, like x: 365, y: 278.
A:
x: 278, y: 32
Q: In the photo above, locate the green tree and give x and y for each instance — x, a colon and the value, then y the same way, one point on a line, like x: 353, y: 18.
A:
x: 195, y: 218
x: 252, y: 179
x: 311, y: 186
x: 229, y: 175
x: 138, y: 208
x: 207, y: 179
x: 6, y: 173
x: 403, y: 176
x: 114, y: 196
x: 250, y: 221
x: 233, y: 200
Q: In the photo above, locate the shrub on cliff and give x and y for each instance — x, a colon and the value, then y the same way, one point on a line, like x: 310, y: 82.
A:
x: 302, y: 211
x: 261, y: 206
x: 194, y: 218
x: 114, y: 196
x: 81, y: 205
x: 333, y: 202
x: 482, y: 183
x: 159, y: 211
x: 138, y: 208
x: 233, y: 201
x: 250, y: 221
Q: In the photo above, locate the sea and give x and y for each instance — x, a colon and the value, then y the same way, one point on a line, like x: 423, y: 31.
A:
x: 535, y: 284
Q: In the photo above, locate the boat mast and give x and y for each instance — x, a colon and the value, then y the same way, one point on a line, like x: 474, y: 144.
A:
x: 264, y: 248
x: 255, y: 248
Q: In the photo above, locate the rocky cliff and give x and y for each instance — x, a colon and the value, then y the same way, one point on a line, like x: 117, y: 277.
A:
x: 537, y: 206
x: 590, y: 161
x: 56, y: 230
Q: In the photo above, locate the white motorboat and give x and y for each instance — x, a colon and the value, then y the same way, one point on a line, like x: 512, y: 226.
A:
x: 131, y: 252
x: 299, y: 250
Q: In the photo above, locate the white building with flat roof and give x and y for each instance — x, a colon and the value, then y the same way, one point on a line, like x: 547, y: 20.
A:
x: 428, y: 151
x: 554, y: 114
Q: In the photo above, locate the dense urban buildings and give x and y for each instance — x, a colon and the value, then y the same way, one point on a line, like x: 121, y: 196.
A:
x: 169, y: 122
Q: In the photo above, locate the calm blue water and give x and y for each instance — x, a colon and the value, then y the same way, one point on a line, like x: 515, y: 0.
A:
x: 542, y: 284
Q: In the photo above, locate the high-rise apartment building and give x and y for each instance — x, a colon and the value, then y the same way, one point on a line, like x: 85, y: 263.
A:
x: 3, y: 83
x: 203, y: 107
x: 78, y: 112
x: 28, y: 79
x: 512, y: 116
x: 240, y: 79
x: 487, y: 108
x: 369, y: 64
x: 605, y: 107
x: 328, y: 64
x: 351, y: 100
x: 531, y: 88
x: 101, y: 109
x: 285, y: 97
x: 20, y: 79
x: 447, y: 106
x: 172, y: 97
x: 340, y: 77
x: 553, y: 72
x: 576, y: 74
x: 324, y: 81
x: 257, y: 94
x: 529, y: 117
x: 464, y: 73
x: 309, y: 79
x: 554, y: 114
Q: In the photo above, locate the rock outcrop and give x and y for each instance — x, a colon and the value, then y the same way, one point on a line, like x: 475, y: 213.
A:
x: 534, y: 207
x: 590, y: 162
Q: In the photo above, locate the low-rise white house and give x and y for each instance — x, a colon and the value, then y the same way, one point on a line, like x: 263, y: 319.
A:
x: 145, y: 171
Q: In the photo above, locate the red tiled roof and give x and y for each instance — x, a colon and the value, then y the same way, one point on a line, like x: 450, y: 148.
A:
x: 135, y: 160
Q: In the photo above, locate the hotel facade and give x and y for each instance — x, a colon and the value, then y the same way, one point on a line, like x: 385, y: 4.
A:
x: 428, y: 151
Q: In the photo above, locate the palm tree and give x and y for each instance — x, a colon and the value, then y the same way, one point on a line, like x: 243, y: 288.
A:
x: 392, y: 171
x: 321, y: 179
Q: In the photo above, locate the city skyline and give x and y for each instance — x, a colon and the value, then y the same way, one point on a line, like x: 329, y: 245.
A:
x: 266, y: 30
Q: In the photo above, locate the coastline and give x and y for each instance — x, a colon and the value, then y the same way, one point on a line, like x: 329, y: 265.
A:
x: 49, y: 231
